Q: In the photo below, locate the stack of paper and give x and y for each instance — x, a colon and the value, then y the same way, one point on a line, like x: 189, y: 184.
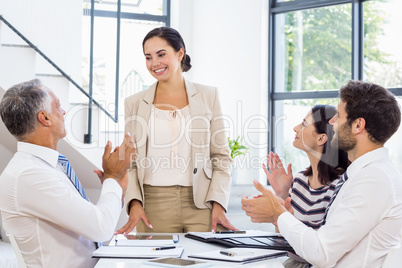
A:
x: 145, y: 246
x: 136, y: 252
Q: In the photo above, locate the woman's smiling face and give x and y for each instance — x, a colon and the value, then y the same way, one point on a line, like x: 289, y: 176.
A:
x: 161, y: 59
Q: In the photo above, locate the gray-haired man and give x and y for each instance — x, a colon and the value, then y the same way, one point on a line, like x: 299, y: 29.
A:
x: 43, y: 204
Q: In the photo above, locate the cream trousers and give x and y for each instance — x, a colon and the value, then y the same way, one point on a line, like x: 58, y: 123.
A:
x: 171, y: 209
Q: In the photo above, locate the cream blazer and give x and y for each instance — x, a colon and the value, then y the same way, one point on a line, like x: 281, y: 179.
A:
x: 211, y: 162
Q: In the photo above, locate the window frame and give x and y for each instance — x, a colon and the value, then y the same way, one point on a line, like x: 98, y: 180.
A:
x: 276, y: 8
x: 118, y: 15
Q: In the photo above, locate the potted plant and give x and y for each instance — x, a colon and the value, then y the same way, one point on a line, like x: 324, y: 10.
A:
x: 236, y: 148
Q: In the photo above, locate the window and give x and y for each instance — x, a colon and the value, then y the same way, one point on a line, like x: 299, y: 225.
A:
x: 112, y: 46
x: 382, y: 43
x: 318, y: 46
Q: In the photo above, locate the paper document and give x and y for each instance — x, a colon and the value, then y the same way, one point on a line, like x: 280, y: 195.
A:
x: 240, y: 255
x: 136, y: 252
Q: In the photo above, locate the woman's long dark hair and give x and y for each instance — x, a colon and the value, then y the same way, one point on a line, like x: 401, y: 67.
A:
x: 174, y: 39
x: 333, y: 162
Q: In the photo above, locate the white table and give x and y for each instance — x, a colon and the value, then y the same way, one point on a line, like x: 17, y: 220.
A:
x: 190, y: 246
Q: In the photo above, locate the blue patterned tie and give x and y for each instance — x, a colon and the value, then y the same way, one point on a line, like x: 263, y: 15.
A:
x: 343, y: 179
x: 68, y: 169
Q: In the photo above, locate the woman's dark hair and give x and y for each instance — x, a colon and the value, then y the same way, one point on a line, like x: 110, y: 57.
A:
x: 333, y: 162
x: 174, y: 39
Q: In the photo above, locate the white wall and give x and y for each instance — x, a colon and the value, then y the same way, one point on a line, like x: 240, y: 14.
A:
x: 227, y: 42
x: 52, y: 26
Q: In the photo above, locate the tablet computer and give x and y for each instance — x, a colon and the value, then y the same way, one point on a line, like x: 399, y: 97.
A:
x: 142, y: 236
x: 140, y: 239
x: 177, y: 262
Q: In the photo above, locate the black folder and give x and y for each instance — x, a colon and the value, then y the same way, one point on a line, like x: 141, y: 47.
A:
x: 274, y: 241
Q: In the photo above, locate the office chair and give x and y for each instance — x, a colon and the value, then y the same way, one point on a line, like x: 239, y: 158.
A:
x: 394, y: 258
x: 17, y: 251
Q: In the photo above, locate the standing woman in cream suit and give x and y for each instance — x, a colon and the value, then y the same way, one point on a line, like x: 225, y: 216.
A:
x: 180, y: 180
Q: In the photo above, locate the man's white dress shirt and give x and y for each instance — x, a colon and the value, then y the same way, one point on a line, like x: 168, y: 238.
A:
x: 363, y: 223
x: 51, y: 222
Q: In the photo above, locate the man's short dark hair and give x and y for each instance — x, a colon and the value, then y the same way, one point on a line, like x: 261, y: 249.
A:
x: 20, y: 106
x: 376, y: 105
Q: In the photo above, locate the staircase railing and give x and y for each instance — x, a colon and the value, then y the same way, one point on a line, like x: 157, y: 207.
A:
x: 132, y: 84
x: 64, y: 74
x: 89, y: 94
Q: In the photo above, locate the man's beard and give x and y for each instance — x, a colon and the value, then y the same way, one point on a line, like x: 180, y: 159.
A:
x: 343, y: 138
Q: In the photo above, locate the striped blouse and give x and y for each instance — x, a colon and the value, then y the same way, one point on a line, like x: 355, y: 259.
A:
x: 309, y: 204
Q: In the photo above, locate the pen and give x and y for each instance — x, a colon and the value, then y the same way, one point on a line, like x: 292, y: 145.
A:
x: 230, y: 232
x: 226, y: 253
x: 233, y: 253
x: 163, y: 248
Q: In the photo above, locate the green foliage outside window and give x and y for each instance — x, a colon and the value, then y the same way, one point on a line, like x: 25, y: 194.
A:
x: 314, y: 53
x: 319, y: 48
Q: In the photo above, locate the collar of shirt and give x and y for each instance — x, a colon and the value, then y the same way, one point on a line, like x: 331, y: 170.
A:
x: 46, y: 154
x: 366, y: 159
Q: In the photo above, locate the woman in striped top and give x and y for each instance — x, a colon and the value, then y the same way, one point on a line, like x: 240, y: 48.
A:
x: 310, y: 191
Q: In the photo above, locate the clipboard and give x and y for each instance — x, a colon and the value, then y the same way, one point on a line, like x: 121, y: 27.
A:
x: 240, y: 255
x: 251, y: 239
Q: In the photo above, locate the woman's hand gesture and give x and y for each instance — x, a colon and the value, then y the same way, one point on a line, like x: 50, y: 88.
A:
x: 277, y: 176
